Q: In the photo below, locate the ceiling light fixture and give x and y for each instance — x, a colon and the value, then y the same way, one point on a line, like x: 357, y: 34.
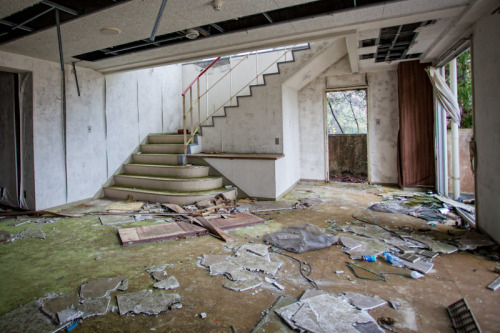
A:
x: 192, y: 34
x: 110, y: 31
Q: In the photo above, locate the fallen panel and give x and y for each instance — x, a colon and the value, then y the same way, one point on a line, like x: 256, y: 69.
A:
x: 495, y: 284
x: 271, y: 322
x: 364, y: 302
x: 259, y: 249
x: 242, y: 285
x: 421, y: 266
x: 52, y: 305
x: 210, y: 259
x: 168, y: 283
x: 147, y: 302
x: 101, y: 287
x: 257, y: 264
x: 349, y: 243
x: 26, y: 318
x: 369, y: 327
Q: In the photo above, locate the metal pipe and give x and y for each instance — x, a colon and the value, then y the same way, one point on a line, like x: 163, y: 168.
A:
x: 60, y: 7
x: 158, y: 19
x: 76, y: 79
x: 199, y: 103
x: 445, y: 145
x: 454, y: 134
x: 184, y: 122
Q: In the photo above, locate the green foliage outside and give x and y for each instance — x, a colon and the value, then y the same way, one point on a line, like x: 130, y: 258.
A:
x: 346, y: 112
x: 464, y: 87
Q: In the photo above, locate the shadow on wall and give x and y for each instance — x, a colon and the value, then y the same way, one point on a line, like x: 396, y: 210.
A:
x: 347, y: 154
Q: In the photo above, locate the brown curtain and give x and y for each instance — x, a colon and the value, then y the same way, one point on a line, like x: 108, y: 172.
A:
x: 416, y: 126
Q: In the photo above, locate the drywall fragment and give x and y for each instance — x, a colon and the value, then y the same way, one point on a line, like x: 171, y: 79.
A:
x: 124, y: 285
x: 26, y: 318
x: 54, y: 304
x: 94, y: 306
x: 368, y: 327
x: 147, y: 302
x: 168, y: 283
x: 101, y: 287
x: 158, y: 268
x: 349, y: 243
x: 275, y: 283
x: 422, y: 266
x: 32, y: 232
x: 364, y: 302
x: 257, y: 264
x: 210, y: 259
x: 311, y: 293
x: 239, y: 275
x: 271, y: 322
x: 242, y: 285
x: 435, y: 245
x: 159, y: 275
x: 223, y: 267
x: 68, y: 315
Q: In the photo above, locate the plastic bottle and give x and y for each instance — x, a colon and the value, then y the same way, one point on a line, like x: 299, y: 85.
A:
x: 393, y: 259
x: 369, y: 258
x: 416, y: 275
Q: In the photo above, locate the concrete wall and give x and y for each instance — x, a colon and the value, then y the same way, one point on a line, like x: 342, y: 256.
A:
x: 347, y: 154
x: 466, y: 175
x: 104, y: 124
x: 382, y: 121
x: 486, y: 85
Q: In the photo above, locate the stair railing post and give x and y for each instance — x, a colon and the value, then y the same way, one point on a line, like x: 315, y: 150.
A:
x: 199, y: 102
x: 184, y: 122
x: 191, y: 108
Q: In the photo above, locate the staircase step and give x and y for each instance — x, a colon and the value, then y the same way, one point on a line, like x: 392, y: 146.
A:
x: 169, y: 184
x: 162, y: 159
x: 180, y: 198
x: 163, y: 148
x: 166, y: 138
x: 166, y: 170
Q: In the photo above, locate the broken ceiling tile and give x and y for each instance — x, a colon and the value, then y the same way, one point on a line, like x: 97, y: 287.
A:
x: 101, y: 287
x: 369, y: 246
x: 94, y: 306
x: 242, y: 285
x: 364, y: 302
x: 495, y: 284
x: 223, y: 267
x: 68, y: 315
x: 115, y: 219
x: 274, y: 283
x: 349, y: 243
x: 158, y: 268
x: 124, y: 285
x: 168, y: 283
x: 257, y: 264
x: 271, y: 322
x: 435, y: 245
x: 147, y: 302
x: 159, y: 275
x: 422, y: 266
x: 31, y: 232
x: 372, y: 231
x: 369, y: 327
x: 306, y: 319
x: 259, y: 249
x: 209, y: 259
x: 27, y: 318
x: 286, y: 313
x: 239, y: 275
x: 52, y: 305
x: 311, y: 293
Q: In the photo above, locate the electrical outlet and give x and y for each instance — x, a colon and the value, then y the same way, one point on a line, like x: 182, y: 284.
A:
x: 89, y: 128
x: 277, y: 141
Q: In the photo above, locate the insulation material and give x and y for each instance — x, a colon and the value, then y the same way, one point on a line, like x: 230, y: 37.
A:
x: 443, y: 94
x: 416, y: 126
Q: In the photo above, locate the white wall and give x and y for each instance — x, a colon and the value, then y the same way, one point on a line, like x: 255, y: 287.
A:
x: 382, y: 106
x: 103, y: 125
x: 486, y: 85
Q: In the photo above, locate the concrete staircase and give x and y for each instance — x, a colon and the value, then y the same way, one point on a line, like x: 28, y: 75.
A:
x: 158, y: 173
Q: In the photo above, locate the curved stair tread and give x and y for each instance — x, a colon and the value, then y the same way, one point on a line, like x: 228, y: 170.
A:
x: 160, y: 178
x: 172, y: 193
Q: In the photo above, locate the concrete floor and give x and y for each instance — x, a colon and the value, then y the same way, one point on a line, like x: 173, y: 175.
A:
x: 77, y: 250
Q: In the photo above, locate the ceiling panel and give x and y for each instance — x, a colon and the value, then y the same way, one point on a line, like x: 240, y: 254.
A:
x: 10, y: 7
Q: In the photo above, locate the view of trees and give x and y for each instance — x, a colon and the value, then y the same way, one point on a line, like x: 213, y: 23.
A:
x: 346, y: 112
x: 464, y: 87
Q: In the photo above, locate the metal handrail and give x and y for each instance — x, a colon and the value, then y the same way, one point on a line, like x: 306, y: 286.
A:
x: 194, y: 130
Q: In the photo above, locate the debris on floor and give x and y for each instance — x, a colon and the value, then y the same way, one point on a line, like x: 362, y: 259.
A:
x: 363, y: 302
x: 348, y: 178
x: 147, y: 302
x: 101, y: 287
x: 31, y: 232
x: 495, y: 284
x: 271, y: 322
x: 168, y: 283
x: 115, y: 219
x: 298, y: 239
x: 27, y: 318
x: 152, y: 233
x: 242, y: 268
x: 462, y: 317
x: 325, y: 313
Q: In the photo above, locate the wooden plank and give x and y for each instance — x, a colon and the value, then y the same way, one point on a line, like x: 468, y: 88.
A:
x: 175, y: 208
x: 216, y: 231
x: 159, y: 232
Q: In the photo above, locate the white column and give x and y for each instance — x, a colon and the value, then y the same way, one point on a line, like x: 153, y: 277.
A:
x: 454, y: 134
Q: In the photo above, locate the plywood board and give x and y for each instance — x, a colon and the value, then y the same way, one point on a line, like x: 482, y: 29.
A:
x: 152, y: 233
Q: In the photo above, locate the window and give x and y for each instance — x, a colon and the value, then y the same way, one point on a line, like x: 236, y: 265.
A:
x: 346, y: 112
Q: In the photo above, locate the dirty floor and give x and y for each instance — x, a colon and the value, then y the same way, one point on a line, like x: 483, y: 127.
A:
x: 77, y: 250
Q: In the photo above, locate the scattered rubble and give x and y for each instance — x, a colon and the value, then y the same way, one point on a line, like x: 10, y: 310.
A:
x: 32, y: 232
x: 147, y: 302
x: 168, y: 283
x: 27, y: 318
x: 101, y: 287
x: 364, y: 302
